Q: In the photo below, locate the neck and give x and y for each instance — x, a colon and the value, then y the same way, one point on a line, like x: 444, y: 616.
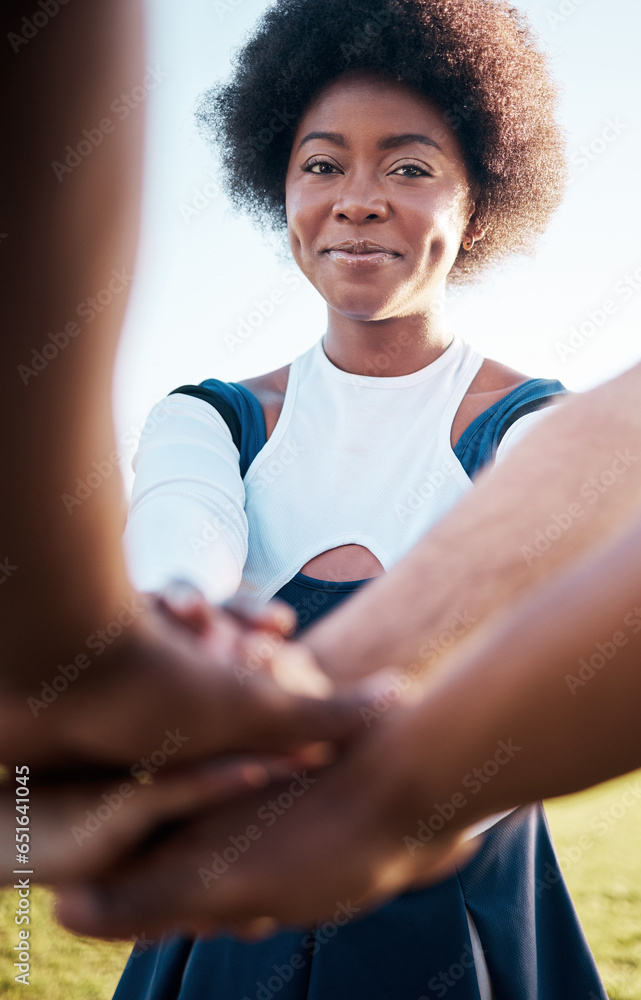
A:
x: 396, y: 346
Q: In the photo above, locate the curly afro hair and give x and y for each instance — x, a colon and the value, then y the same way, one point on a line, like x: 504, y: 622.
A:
x: 476, y: 59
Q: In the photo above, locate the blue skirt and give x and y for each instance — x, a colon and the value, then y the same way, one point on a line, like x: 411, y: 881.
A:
x: 416, y: 947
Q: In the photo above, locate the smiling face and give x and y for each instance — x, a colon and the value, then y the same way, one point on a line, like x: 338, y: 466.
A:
x: 374, y: 167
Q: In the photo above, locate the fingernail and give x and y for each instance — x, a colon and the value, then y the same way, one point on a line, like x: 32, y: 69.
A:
x: 244, y: 604
x: 261, y: 927
x: 318, y: 754
x: 181, y: 594
x: 256, y: 775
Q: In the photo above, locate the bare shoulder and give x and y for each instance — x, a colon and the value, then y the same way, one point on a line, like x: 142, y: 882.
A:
x: 493, y: 377
x: 492, y: 382
x: 269, y: 390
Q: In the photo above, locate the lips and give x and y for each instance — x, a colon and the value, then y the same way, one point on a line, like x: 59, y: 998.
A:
x: 359, y: 254
x: 361, y: 247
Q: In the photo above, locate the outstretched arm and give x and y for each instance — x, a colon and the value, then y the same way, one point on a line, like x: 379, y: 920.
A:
x: 558, y: 673
x: 542, y: 701
x: 566, y: 486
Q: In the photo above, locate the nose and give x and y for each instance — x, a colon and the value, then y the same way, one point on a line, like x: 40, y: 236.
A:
x: 360, y: 199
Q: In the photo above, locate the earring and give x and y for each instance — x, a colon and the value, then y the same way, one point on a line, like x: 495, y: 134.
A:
x: 468, y: 243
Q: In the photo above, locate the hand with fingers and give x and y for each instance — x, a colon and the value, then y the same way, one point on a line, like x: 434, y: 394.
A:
x: 280, y: 856
x: 244, y: 707
x: 225, y: 680
x: 79, y: 828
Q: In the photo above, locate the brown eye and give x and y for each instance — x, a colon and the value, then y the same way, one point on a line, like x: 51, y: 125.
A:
x: 309, y: 167
x: 418, y: 171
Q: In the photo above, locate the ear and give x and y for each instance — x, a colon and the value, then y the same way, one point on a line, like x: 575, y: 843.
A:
x: 474, y: 230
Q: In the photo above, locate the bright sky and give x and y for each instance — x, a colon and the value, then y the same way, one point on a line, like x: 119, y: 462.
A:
x: 200, y: 274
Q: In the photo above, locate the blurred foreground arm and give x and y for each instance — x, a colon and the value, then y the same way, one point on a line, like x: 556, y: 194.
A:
x: 92, y: 671
x: 558, y: 675
x: 66, y: 266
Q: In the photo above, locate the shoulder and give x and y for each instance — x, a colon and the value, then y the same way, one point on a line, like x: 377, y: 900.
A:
x: 495, y: 379
x: 492, y: 382
x: 269, y: 390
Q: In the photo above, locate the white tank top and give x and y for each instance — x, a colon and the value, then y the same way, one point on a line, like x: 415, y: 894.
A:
x: 354, y: 459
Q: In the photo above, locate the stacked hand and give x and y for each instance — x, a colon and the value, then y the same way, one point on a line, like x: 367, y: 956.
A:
x: 306, y: 847
x: 239, y: 819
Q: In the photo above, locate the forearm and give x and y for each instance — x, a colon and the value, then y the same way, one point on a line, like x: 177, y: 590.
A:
x: 523, y: 520
x: 556, y: 679
x: 71, y: 235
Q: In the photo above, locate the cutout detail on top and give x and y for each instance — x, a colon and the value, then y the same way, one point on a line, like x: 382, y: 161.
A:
x: 345, y: 562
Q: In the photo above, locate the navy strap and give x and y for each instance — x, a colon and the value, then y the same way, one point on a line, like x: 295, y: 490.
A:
x: 477, y: 446
x: 478, y: 443
x: 240, y: 410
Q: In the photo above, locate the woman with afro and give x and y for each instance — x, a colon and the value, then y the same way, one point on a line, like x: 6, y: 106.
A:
x: 398, y: 144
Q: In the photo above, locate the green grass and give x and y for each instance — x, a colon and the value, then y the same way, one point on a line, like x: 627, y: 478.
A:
x: 598, y: 837
x: 63, y: 966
